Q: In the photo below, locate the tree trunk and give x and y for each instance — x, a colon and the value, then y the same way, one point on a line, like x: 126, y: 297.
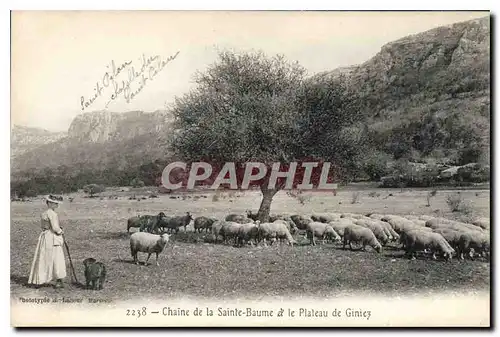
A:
x: 265, y: 205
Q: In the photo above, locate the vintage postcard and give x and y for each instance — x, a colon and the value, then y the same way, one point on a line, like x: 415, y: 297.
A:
x: 251, y: 169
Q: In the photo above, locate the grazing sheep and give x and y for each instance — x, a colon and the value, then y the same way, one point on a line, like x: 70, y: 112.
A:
x: 484, y: 223
x: 325, y: 218
x: 174, y: 223
x: 95, y: 274
x: 275, y: 231
x: 216, y: 227
x: 419, y: 240
x: 446, y: 223
x: 363, y: 235
x: 321, y: 230
x: 252, y: 215
x: 229, y: 230
x: 451, y: 235
x: 388, y: 217
x: 246, y: 233
x: 480, y: 242
x: 340, y: 225
x: 376, y: 229
x: 389, y: 231
x: 425, y: 217
x: 289, y: 225
x: 203, y: 223
x: 300, y: 221
x: 399, y: 224
x: 375, y: 216
x: 286, y: 217
x: 147, y: 243
x: 411, y: 217
x: 239, y: 218
x: 352, y: 215
x: 418, y: 222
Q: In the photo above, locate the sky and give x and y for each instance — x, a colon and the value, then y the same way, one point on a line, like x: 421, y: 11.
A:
x: 60, y: 59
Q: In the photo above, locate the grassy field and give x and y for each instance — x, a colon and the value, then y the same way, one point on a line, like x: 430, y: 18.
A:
x: 190, y: 267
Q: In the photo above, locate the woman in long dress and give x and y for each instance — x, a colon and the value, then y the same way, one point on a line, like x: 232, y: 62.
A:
x: 48, y: 263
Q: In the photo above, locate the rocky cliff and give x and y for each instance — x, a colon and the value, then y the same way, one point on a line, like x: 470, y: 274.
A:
x: 105, y: 126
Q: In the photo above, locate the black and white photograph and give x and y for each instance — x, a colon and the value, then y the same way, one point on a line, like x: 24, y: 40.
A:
x: 250, y: 169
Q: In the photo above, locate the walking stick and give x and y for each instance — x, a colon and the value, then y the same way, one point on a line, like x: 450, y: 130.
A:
x: 70, y: 261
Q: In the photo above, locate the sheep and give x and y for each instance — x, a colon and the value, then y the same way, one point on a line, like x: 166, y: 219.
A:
x: 274, y: 231
x: 325, y: 218
x: 480, y: 242
x: 216, y: 227
x: 388, y: 217
x: 411, y: 217
x: 247, y: 232
x: 147, y: 243
x: 339, y: 225
x: 355, y: 233
x: 289, y: 225
x: 418, y: 222
x: 321, y: 230
x: 407, y: 229
x: 422, y: 240
x: 229, y: 230
x: 252, y: 215
x: 274, y: 217
x: 484, y: 223
x: 176, y: 222
x: 151, y: 223
x: 425, y: 217
x: 375, y: 216
x: 300, y: 221
x: 452, y: 236
x: 239, y: 218
x: 399, y: 224
x: 352, y: 215
x: 203, y: 223
x: 133, y: 222
x: 376, y: 229
x: 446, y: 223
x: 388, y: 230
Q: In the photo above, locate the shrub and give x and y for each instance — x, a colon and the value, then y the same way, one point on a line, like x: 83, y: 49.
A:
x: 93, y: 189
x: 454, y: 201
x: 136, y: 182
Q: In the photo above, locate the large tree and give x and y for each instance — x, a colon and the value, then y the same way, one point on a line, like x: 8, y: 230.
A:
x: 249, y: 107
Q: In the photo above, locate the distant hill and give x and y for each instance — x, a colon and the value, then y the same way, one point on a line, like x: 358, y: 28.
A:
x: 24, y: 139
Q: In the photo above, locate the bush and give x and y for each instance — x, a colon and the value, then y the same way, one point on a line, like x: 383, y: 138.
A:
x: 455, y: 202
x: 376, y: 165
x: 136, y: 182
x: 93, y: 189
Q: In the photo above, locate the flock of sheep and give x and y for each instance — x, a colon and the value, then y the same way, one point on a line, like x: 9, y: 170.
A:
x: 415, y: 234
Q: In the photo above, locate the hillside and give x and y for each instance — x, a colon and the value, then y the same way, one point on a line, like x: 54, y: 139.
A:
x: 425, y: 98
x: 24, y: 139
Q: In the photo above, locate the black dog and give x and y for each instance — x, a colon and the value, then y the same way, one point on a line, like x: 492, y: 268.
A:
x: 95, y: 273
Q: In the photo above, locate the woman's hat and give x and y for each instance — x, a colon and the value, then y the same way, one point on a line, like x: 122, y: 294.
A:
x: 54, y: 199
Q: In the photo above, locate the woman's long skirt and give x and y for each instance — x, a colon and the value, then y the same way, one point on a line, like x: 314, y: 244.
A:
x: 48, y: 263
